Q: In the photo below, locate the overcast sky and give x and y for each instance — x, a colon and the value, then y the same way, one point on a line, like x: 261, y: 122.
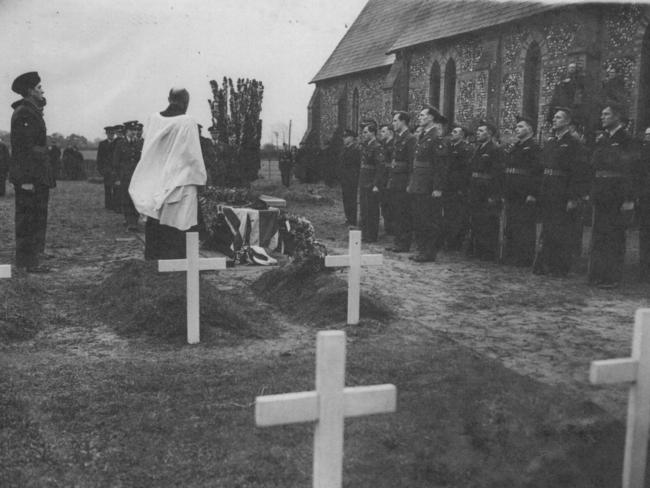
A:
x: 104, y: 62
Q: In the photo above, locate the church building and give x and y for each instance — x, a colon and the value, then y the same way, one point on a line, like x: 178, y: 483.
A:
x: 480, y: 59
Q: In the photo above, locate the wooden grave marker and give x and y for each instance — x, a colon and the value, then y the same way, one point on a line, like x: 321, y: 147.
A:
x: 634, y: 370
x: 5, y: 271
x: 354, y: 260
x: 327, y: 406
x: 192, y: 265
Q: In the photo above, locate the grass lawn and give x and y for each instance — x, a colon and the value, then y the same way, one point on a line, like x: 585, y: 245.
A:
x: 98, y: 389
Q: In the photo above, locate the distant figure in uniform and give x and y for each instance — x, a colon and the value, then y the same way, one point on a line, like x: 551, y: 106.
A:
x: 386, y: 136
x: 4, y: 167
x: 372, y: 161
x: 565, y: 182
x: 523, y: 175
x: 286, y: 165
x: 125, y: 158
x: 30, y: 171
x: 349, y: 164
x: 105, y: 166
x: 428, y: 180
x: 118, y: 131
x: 613, y: 191
x: 569, y: 93
x: 399, y: 169
x: 456, y: 194
x: 485, y: 193
x: 164, y: 186
x: 55, y: 160
x: 643, y: 210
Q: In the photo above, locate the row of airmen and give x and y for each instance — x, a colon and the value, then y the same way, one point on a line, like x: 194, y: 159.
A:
x: 119, y: 153
x: 519, y: 203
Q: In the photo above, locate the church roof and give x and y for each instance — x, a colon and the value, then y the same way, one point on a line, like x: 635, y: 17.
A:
x: 366, y: 43
x: 440, y: 19
x: 386, y: 26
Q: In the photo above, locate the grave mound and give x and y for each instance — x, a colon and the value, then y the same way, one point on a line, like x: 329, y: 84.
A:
x: 138, y: 300
x: 21, y: 310
x: 315, y: 295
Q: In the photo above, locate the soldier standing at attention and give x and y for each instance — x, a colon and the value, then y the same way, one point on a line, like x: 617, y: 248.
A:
x: 105, y: 166
x: 125, y: 158
x: 485, y: 194
x: 386, y: 135
x: 372, y: 161
x: 350, y: 161
x: 523, y: 174
x: 30, y: 171
x: 455, y: 198
x: 286, y: 165
x: 398, y: 178
x: 427, y: 182
x: 643, y: 211
x: 564, y: 183
x: 4, y: 167
x: 614, y: 163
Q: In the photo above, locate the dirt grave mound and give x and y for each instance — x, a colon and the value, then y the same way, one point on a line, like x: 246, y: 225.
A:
x: 317, y: 296
x: 140, y: 300
x: 21, y: 311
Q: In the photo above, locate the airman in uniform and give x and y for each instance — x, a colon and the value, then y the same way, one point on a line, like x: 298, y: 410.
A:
x: 349, y: 167
x: 485, y: 193
x: 455, y: 196
x: 399, y: 169
x: 523, y: 174
x: 613, y: 191
x: 372, y: 161
x: 125, y: 158
x: 105, y: 166
x: 564, y: 183
x: 427, y: 183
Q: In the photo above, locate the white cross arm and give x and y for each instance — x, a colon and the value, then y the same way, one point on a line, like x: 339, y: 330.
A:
x: 205, y: 264
x: 610, y: 371
x: 369, y: 400
x: 5, y: 271
x: 300, y: 407
x: 344, y: 260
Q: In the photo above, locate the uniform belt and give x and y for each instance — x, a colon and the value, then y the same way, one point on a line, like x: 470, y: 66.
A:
x: 483, y: 176
x: 554, y: 172
x: 368, y: 166
x: 609, y: 174
x: 421, y: 164
x: 517, y: 171
x: 399, y: 165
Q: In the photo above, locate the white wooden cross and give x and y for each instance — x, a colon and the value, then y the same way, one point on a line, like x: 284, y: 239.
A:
x: 635, y: 370
x: 192, y: 265
x: 354, y: 260
x: 5, y: 271
x: 327, y: 406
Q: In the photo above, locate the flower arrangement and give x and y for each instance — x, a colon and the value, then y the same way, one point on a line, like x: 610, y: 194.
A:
x: 299, y: 238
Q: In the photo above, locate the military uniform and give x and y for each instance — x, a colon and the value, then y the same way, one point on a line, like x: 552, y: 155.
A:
x: 105, y: 168
x: 349, y: 167
x: 455, y: 196
x: 564, y: 179
x: 372, y: 161
x: 428, y: 174
x: 613, y: 163
x: 643, y: 212
x: 30, y: 164
x: 286, y: 165
x: 125, y: 158
x: 385, y: 205
x: 522, y: 177
x: 484, y: 196
x: 398, y: 179
x: 4, y: 168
